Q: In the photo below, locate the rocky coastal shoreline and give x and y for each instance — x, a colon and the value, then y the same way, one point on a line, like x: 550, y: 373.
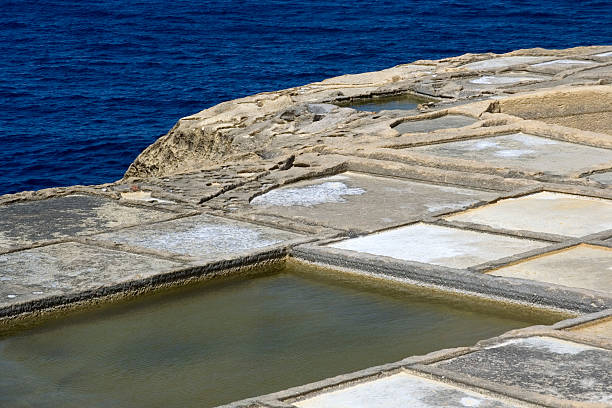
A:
x: 487, y: 175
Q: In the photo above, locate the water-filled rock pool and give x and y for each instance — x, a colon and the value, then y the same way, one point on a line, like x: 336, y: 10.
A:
x: 220, y: 341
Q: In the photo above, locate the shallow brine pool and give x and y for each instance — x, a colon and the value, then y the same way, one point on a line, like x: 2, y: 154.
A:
x: 401, y: 102
x: 217, y: 342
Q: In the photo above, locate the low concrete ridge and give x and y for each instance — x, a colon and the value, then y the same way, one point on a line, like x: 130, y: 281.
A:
x: 484, y: 174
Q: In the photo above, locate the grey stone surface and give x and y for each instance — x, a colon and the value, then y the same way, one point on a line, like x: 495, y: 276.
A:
x: 430, y: 125
x: 439, y: 245
x: 581, y: 107
x: 582, y: 266
x: 599, y: 122
x: 496, y: 80
x: 560, y: 65
x: 401, y: 390
x: 524, y: 151
x: 501, y: 62
x: 201, y: 236
x: 70, y: 268
x: 601, y: 329
x: 548, y: 212
x: 543, y: 365
x: 363, y: 202
x: 597, y: 72
x: 603, y: 178
x: 24, y: 223
x: 563, y: 63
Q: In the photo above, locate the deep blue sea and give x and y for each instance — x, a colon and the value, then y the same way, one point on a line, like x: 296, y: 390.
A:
x: 86, y: 85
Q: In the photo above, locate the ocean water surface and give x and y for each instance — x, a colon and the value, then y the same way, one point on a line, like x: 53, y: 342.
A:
x: 86, y: 85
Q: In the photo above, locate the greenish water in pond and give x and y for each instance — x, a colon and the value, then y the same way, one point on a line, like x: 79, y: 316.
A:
x: 404, y: 102
x: 214, y: 343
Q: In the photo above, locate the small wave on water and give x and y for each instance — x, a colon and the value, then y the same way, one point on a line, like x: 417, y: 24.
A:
x: 86, y: 85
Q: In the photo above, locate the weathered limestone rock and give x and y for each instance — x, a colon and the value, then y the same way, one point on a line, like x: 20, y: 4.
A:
x: 481, y: 175
x: 277, y: 124
x: 587, y: 108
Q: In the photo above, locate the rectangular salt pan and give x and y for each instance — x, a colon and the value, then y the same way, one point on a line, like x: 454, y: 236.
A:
x: 363, y: 202
x: 504, y: 80
x: 60, y: 217
x: 582, y: 266
x: 546, y: 212
x: 525, y: 152
x: 500, y: 62
x: 562, y: 62
x: 201, y: 236
x: 400, y: 391
x: 544, y: 365
x: 439, y: 245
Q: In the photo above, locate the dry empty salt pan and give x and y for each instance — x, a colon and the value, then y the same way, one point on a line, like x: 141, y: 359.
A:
x: 201, y: 236
x: 525, y: 152
x: 500, y: 80
x: 363, y: 202
x: 439, y: 245
x: 514, y: 152
x: 547, y: 212
x: 604, y: 177
x: 604, y: 54
x: 582, y: 266
x: 60, y: 217
x: 400, y: 390
x: 529, y: 140
x: 216, y: 237
x: 327, y: 192
x: 562, y: 62
x: 481, y: 145
x: 500, y: 62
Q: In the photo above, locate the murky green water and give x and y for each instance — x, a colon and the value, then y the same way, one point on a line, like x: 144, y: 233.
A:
x: 405, y: 102
x: 218, y: 342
